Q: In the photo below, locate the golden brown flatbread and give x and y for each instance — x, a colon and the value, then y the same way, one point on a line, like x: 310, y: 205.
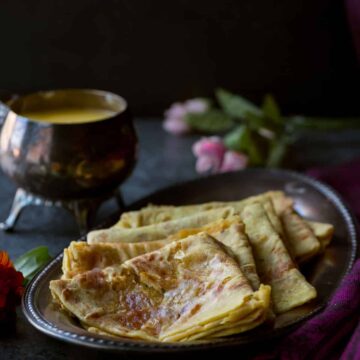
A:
x: 80, y: 256
x: 324, y: 232
x: 296, y: 233
x: 189, y: 289
x: 280, y: 201
x: 274, y: 264
x: 300, y: 236
x: 231, y: 233
x: 160, y: 230
x: 153, y: 214
x: 302, y: 242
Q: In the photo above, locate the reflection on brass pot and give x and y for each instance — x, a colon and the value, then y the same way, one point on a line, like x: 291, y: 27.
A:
x: 68, y: 160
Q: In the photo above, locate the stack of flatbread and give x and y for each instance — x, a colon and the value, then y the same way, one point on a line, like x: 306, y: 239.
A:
x: 175, y: 274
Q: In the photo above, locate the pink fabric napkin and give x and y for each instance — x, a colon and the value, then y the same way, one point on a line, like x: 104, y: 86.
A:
x: 335, y: 332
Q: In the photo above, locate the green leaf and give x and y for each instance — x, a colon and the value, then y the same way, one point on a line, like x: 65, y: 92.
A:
x: 211, y: 121
x: 257, y: 122
x: 277, y: 152
x: 32, y: 261
x: 237, y: 139
x: 235, y: 105
x: 271, y: 109
x: 241, y: 139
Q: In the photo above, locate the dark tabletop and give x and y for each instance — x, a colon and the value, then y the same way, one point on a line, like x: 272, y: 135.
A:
x: 164, y: 159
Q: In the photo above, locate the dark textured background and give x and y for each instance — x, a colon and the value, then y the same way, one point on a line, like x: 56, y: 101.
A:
x: 155, y: 52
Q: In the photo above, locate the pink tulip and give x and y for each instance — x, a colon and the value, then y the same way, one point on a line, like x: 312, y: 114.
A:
x: 209, y: 146
x: 212, y: 156
x: 205, y: 164
x: 176, y: 110
x: 196, y: 106
x: 175, y: 123
x: 233, y: 161
x: 209, y: 152
x: 176, y: 126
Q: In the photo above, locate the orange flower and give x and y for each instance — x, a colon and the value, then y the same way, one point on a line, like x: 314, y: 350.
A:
x: 5, y: 260
x: 11, y: 288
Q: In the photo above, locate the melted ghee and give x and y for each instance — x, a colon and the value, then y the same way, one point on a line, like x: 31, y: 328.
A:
x: 69, y: 115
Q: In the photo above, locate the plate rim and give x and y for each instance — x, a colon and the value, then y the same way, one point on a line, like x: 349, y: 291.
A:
x: 106, y: 343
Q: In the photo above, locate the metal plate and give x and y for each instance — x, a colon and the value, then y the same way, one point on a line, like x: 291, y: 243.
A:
x: 313, y: 200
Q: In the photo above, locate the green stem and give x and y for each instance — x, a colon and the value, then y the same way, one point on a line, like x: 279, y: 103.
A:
x: 315, y: 123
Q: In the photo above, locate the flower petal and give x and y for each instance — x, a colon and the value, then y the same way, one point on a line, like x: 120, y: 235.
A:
x: 196, y: 105
x: 11, y: 287
x: 233, y: 161
x: 176, y: 110
x: 5, y: 260
x: 176, y: 126
x: 203, y: 164
x: 209, y: 146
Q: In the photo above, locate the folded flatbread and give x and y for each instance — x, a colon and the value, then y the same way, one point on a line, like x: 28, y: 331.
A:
x: 274, y: 264
x: 189, y: 289
x: 80, y: 256
x: 153, y: 214
x: 300, y: 237
x: 303, y: 243
x: 296, y: 233
x: 324, y: 232
x: 231, y: 233
x: 160, y: 230
x: 280, y: 201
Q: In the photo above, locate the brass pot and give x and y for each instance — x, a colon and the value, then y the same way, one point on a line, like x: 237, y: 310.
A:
x: 72, y: 160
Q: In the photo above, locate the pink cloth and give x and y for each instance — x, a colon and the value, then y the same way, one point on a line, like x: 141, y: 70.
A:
x: 319, y: 337
x: 335, y: 332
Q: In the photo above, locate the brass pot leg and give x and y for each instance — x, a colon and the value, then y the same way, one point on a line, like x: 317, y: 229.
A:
x: 84, y: 210
x: 21, y: 200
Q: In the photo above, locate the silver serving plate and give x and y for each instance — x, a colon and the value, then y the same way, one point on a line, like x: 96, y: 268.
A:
x: 313, y: 200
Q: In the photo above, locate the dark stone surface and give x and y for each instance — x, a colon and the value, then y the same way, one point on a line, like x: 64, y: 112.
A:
x: 164, y: 160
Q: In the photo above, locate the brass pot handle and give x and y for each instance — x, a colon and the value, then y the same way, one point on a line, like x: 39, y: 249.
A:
x: 3, y: 112
x: 5, y: 98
